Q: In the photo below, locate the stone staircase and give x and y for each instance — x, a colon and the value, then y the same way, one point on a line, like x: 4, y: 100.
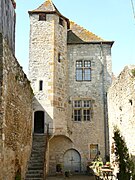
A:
x: 36, y: 163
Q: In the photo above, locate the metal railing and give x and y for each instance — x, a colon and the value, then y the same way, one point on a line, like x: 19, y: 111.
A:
x: 46, y: 148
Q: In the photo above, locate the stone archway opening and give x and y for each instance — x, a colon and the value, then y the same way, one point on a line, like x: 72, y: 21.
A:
x: 39, y: 122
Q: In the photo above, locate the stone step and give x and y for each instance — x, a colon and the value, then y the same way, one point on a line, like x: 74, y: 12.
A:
x: 35, y: 168
x: 37, y: 154
x: 37, y: 158
x: 36, y: 162
x: 33, y: 178
x: 35, y: 165
x: 36, y: 171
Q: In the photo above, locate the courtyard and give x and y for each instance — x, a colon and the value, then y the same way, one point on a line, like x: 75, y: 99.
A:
x: 74, y: 177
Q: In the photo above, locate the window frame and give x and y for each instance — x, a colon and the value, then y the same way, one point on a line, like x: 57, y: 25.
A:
x: 42, y: 17
x: 94, y: 147
x: 83, y: 66
x: 61, y: 21
x: 40, y: 85
x: 82, y: 116
x: 59, y: 57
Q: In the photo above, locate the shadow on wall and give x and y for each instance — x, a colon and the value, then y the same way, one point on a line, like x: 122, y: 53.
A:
x: 41, y: 120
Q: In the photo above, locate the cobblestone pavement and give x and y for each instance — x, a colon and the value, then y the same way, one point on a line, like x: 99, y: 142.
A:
x: 75, y: 177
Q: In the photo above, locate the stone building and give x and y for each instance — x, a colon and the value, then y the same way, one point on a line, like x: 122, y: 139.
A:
x: 15, y: 102
x: 121, y: 108
x: 70, y: 72
x: 7, y: 23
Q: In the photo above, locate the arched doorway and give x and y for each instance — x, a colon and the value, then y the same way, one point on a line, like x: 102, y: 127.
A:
x: 39, y: 122
x: 72, y: 161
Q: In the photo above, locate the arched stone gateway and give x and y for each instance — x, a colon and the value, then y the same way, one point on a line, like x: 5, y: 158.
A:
x: 39, y: 122
x: 58, y: 145
x: 72, y: 161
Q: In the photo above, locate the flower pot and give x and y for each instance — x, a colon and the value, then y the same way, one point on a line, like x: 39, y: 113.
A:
x: 67, y: 173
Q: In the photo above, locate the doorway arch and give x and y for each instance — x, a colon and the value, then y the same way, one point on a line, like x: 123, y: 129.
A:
x: 72, y: 161
x: 39, y: 122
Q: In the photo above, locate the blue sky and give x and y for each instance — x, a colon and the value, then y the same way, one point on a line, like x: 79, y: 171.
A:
x: 110, y: 19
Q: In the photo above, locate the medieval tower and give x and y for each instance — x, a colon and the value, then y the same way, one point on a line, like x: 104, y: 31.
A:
x: 70, y: 73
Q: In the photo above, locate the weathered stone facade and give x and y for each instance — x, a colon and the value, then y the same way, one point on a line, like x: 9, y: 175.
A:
x: 16, y: 114
x: 56, y: 44
x: 121, y: 103
x: 15, y: 102
x: 7, y: 22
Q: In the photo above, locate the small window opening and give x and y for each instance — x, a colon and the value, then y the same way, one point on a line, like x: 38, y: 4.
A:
x: 61, y: 21
x: 131, y: 102
x: 120, y: 108
x: 40, y: 85
x: 59, y: 57
x: 42, y: 17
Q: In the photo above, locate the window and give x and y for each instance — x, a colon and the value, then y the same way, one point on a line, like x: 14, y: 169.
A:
x: 94, y: 151
x: 40, y: 85
x: 82, y: 110
x: 61, y: 21
x: 59, y: 57
x: 83, y: 70
x: 42, y: 17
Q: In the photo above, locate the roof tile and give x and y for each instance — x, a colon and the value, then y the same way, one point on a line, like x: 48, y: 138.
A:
x: 83, y: 34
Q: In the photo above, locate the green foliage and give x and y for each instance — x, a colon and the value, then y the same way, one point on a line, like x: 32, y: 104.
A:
x: 96, y: 166
x: 126, y: 165
x: 58, y: 168
x: 18, y: 176
x: 133, y: 72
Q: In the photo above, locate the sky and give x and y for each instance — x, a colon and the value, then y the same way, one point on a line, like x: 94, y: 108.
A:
x: 112, y: 20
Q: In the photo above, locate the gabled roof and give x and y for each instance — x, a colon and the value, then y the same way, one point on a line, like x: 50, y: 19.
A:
x: 83, y: 34
x: 78, y: 34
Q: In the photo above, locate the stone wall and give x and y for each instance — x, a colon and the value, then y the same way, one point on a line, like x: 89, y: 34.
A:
x: 60, y: 77
x: 43, y: 65
x: 7, y: 22
x: 121, y: 103
x: 16, y: 115
x: 94, y: 131
x: 53, y: 61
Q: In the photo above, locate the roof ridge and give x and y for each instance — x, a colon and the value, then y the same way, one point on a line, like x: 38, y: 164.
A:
x: 46, y: 6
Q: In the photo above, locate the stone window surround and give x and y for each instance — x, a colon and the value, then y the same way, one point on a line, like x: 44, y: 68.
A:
x: 61, y: 21
x: 83, y: 66
x: 42, y: 16
x: 90, y: 150
x: 40, y: 85
x: 59, y: 57
x: 82, y: 110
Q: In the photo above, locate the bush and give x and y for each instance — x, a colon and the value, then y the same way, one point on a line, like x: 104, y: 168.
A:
x: 125, y: 163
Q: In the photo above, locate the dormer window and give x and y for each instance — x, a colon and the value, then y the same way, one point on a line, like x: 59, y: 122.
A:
x: 42, y: 17
x: 61, y: 21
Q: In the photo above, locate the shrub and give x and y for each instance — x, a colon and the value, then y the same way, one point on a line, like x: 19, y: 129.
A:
x: 125, y: 163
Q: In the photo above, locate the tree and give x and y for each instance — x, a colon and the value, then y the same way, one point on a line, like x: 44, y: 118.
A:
x: 125, y: 163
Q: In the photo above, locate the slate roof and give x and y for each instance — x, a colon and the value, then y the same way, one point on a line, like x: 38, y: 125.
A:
x: 47, y: 6
x: 83, y: 34
x: 76, y: 33
x: 50, y: 8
